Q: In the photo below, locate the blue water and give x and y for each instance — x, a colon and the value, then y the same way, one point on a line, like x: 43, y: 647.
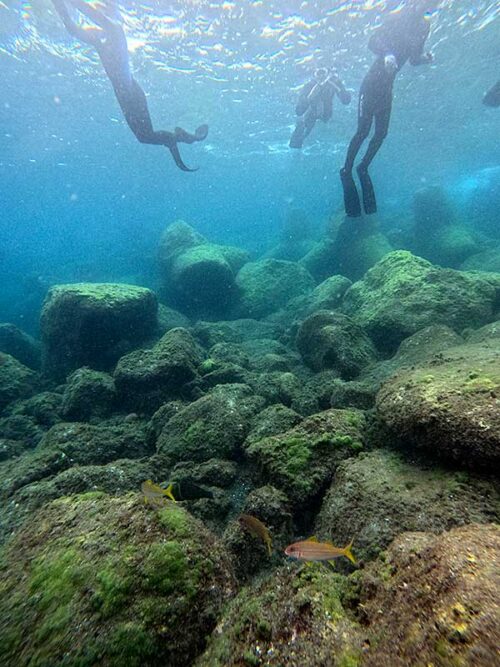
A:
x: 81, y: 199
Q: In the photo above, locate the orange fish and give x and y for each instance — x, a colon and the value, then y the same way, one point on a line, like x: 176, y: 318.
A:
x: 256, y: 528
x: 312, y: 550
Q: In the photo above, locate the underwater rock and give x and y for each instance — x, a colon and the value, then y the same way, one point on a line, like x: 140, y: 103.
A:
x: 437, y: 235
x: 294, y: 617
x: 329, y: 339
x: 147, y: 378
x: 424, y: 344
x: 22, y: 428
x: 295, y: 237
x: 433, y: 599
x: 403, y: 293
x: 20, y: 345
x: 234, y: 331
x: 487, y: 260
x: 45, y: 408
x: 198, y: 276
x: 214, y: 426
x: 16, y: 381
x: 358, y: 246
x: 277, y: 387
x: 302, y: 461
x: 267, y: 285
x: 93, y: 579
x: 168, y: 318
x: 87, y: 394
x: 353, y: 394
x: 320, y: 261
x: 250, y: 553
x: 378, y: 495
x: 449, y: 406
x: 487, y: 334
x: 273, y: 420
x: 93, y: 324
x: 229, y: 353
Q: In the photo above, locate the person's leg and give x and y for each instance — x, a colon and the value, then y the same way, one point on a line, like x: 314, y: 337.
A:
x: 382, y: 120
x: 365, y: 119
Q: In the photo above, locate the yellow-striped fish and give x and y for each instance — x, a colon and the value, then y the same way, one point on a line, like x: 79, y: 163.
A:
x: 312, y: 550
x: 155, y: 495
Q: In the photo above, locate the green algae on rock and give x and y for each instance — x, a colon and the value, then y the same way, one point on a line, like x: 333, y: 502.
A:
x: 449, y: 406
x: 20, y: 345
x: 16, y: 381
x: 87, y: 394
x: 379, y: 495
x: 93, y: 324
x: 92, y: 579
x: 294, y: 617
x: 302, y: 461
x: 403, y: 293
x: 433, y: 599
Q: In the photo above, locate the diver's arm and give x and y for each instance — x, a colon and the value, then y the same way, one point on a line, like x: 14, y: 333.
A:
x: 342, y: 93
x: 94, y: 15
x: 91, y: 36
x: 418, y: 57
x: 303, y: 101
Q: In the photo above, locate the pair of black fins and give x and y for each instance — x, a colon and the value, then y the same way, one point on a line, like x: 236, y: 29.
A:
x: 351, y: 197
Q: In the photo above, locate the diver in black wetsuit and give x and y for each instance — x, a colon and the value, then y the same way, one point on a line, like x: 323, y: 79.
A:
x: 401, y: 38
x: 315, y: 103
x: 492, y: 97
x: 110, y: 43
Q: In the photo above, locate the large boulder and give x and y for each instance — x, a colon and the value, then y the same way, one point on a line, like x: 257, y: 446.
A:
x: 378, y: 495
x: 301, y: 462
x: 198, y: 276
x: 16, y: 381
x: 147, y: 378
x: 403, y: 293
x: 20, y: 345
x: 93, y: 324
x: 267, y: 285
x: 328, y: 339
x: 449, y: 406
x: 214, y: 426
x: 433, y: 599
x: 110, y: 581
x: 87, y: 394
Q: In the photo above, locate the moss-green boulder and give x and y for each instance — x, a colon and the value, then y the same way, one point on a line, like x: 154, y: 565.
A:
x: 329, y: 339
x: 147, y: 378
x: 403, y: 293
x: 20, y: 345
x: 487, y: 260
x: 92, y: 579
x: 449, y: 406
x: 87, y: 394
x: 93, y: 324
x: 16, y: 381
x: 433, y: 600
x: 302, y: 461
x: 267, y: 285
x: 294, y: 617
x: 214, y: 426
x: 378, y: 495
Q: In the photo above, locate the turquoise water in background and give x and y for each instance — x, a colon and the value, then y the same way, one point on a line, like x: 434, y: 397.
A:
x: 81, y: 199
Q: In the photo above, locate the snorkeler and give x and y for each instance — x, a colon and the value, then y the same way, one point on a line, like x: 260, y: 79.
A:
x: 492, y: 97
x: 315, y: 103
x: 108, y: 38
x: 401, y: 38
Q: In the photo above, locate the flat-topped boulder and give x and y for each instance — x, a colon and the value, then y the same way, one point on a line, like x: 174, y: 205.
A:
x: 93, y: 324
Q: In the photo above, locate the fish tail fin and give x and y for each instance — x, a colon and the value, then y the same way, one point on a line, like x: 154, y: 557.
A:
x: 348, y: 552
x: 170, y: 493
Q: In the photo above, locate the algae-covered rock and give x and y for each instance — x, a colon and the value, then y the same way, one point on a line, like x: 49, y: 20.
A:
x: 147, y: 378
x: 16, y: 381
x: 449, y: 406
x: 487, y: 260
x: 302, y: 461
x: 20, y: 345
x: 88, y: 393
x: 273, y: 420
x: 169, y: 318
x: 294, y: 617
x: 329, y: 339
x: 45, y: 408
x: 267, y: 285
x: 234, y: 331
x: 403, y: 293
x: 433, y: 600
x: 93, y: 324
x: 354, y: 394
x: 214, y: 426
x: 379, y: 495
x: 92, y: 580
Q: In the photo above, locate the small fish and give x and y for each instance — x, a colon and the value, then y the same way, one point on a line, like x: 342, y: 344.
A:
x: 155, y: 495
x: 312, y: 550
x: 257, y: 529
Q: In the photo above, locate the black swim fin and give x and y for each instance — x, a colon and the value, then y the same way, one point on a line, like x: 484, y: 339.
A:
x: 351, y: 197
x: 369, y: 199
x: 178, y: 160
x: 184, y: 137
